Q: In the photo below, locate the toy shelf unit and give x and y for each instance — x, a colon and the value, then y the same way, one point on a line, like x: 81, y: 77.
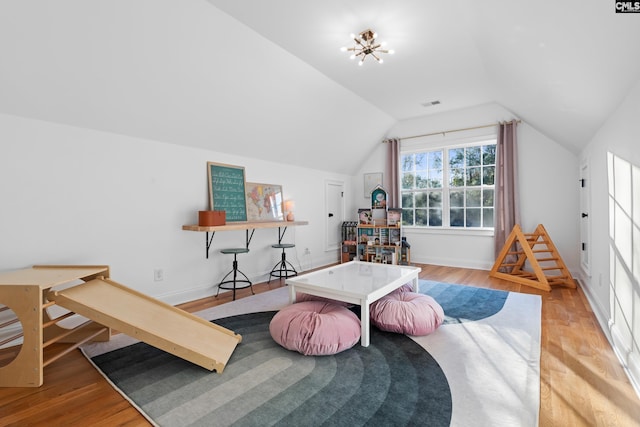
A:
x: 382, y: 244
x: 349, y: 241
x: 378, y: 236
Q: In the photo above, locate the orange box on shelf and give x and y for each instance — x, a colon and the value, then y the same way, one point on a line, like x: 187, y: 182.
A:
x: 209, y: 218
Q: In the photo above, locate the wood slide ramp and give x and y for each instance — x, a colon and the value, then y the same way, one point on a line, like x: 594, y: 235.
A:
x: 156, y: 323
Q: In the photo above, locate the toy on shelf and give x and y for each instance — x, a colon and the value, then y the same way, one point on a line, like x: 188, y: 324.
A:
x: 349, y: 240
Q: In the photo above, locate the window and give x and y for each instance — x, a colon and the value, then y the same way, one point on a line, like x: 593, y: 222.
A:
x: 449, y: 187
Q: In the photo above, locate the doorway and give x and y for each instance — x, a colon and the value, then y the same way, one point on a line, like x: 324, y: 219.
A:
x: 585, y: 239
x: 334, y: 204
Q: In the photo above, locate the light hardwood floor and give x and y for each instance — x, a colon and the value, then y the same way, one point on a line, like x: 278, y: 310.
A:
x: 582, y: 382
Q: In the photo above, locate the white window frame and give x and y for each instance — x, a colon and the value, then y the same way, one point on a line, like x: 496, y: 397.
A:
x: 445, y: 143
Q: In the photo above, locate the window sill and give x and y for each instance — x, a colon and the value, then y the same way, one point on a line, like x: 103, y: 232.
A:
x: 451, y: 231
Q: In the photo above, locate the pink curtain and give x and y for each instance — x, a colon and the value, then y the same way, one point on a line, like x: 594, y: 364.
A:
x: 391, y: 180
x: 507, y: 205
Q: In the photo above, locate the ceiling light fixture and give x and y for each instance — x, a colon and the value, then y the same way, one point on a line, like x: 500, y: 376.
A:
x: 366, y: 45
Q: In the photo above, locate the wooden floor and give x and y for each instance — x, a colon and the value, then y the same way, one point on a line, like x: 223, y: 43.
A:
x: 582, y: 382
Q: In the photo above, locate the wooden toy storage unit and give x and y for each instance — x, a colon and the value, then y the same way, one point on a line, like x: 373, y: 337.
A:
x: 377, y: 235
x: 30, y: 292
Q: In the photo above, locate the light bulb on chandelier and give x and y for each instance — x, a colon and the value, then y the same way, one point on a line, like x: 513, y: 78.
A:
x: 366, y: 45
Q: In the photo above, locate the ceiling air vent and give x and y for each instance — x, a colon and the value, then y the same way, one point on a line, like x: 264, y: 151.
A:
x: 430, y: 103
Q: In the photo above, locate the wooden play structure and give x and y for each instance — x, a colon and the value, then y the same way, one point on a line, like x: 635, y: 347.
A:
x: 532, y: 259
x: 30, y: 295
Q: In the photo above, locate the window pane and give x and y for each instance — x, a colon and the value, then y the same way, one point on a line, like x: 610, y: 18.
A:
x: 457, y: 177
x: 421, y: 161
x: 456, y: 199
x: 421, y: 200
x: 435, y: 178
x: 407, y: 200
x: 456, y: 157
x: 473, y: 198
x: 407, y: 216
x: 421, y: 179
x: 435, y: 217
x: 473, y: 176
x: 407, y: 162
x: 421, y: 217
x: 407, y: 181
x: 456, y: 217
x: 435, y: 160
x: 488, y: 175
x: 489, y: 154
x: 473, y: 217
x: 473, y: 156
x: 435, y: 199
x: 487, y: 217
x: 487, y: 197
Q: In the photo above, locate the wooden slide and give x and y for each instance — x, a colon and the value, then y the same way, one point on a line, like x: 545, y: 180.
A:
x: 26, y: 295
x: 154, y: 322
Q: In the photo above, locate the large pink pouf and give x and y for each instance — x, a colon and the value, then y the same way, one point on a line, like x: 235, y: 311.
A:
x: 315, y: 328
x: 407, y: 313
x: 301, y: 297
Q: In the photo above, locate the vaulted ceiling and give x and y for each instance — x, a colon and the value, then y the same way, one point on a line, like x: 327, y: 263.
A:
x: 267, y: 78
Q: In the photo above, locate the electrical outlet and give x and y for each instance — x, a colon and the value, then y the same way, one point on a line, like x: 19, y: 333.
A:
x: 158, y: 275
x: 307, y: 251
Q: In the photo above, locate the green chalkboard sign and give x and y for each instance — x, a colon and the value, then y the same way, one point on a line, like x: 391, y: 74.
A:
x: 226, y: 190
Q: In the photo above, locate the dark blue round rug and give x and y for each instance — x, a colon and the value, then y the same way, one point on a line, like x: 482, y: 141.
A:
x: 394, y: 381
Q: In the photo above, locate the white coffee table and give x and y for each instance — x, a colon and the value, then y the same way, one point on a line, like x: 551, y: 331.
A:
x: 355, y: 282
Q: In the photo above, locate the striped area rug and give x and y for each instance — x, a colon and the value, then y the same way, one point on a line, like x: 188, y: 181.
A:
x: 481, y: 367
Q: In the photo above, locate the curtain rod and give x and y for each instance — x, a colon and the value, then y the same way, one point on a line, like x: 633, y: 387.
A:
x: 443, y: 133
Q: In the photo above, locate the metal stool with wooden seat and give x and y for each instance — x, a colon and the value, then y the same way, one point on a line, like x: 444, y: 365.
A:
x: 283, y: 268
x: 233, y: 284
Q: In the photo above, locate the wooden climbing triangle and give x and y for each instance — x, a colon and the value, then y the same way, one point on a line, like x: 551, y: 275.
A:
x: 532, y: 259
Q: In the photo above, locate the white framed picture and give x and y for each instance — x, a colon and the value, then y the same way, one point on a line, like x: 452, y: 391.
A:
x: 371, y: 180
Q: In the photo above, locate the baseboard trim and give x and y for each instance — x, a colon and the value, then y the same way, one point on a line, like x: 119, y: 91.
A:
x: 460, y: 263
x: 628, y: 360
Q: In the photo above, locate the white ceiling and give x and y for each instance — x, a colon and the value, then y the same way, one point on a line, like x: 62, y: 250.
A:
x: 267, y: 79
x: 562, y: 66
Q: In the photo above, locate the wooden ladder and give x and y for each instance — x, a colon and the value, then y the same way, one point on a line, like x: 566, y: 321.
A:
x: 542, y: 256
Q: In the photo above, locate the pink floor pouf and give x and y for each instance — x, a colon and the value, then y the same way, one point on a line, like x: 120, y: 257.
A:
x: 407, y: 287
x: 301, y: 297
x: 407, y: 313
x: 315, y: 328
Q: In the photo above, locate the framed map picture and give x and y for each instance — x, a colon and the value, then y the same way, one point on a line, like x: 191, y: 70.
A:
x: 264, y: 202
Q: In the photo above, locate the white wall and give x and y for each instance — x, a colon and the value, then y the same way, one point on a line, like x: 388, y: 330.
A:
x: 181, y: 72
x: 613, y: 286
x: 548, y: 190
x: 77, y: 196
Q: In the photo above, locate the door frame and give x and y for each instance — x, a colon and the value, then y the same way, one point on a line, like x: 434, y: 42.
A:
x: 340, y: 184
x: 585, y: 222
